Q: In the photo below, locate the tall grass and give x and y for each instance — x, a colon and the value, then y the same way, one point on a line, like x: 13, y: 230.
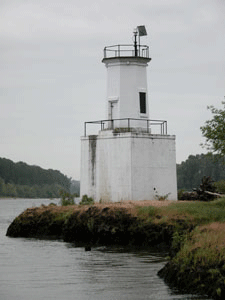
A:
x: 147, y: 211
x: 196, y: 212
x: 205, y: 247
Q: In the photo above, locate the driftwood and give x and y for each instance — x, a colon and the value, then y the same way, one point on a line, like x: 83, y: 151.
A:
x: 199, y: 195
x: 214, y: 194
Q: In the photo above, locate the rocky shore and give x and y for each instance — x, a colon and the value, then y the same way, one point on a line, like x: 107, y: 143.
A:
x: 199, y: 266
x: 196, y: 249
x: 92, y: 225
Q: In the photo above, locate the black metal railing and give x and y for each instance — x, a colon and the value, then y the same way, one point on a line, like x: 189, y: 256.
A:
x: 115, y: 124
x: 126, y: 50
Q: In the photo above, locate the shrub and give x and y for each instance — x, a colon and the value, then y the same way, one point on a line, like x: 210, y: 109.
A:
x: 185, y: 195
x: 201, y: 193
x: 220, y: 186
x: 86, y: 200
x: 66, y: 198
x: 161, y: 197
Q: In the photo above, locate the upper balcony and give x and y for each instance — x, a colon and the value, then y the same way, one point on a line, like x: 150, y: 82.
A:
x: 117, y: 51
x: 153, y: 127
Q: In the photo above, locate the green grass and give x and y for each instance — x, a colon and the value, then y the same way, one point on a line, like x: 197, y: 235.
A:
x: 196, y: 212
x: 63, y: 216
x: 147, y: 211
x: 205, y: 247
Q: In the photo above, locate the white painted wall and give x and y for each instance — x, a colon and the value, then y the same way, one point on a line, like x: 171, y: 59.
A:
x: 126, y: 77
x: 128, y: 166
x: 153, y: 167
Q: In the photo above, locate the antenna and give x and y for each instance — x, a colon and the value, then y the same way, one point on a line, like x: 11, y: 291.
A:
x: 135, y: 42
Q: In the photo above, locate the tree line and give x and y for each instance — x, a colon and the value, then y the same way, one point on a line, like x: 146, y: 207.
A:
x: 22, y: 180
x: 25, y: 181
x: 191, y: 171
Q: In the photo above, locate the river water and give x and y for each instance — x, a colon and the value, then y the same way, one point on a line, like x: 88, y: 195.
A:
x: 34, y: 269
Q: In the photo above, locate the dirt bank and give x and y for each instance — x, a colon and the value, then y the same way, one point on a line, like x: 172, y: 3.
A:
x: 105, y: 224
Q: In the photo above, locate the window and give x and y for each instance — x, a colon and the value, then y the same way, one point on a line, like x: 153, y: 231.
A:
x: 142, y: 97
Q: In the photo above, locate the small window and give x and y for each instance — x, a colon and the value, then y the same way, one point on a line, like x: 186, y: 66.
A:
x: 142, y: 97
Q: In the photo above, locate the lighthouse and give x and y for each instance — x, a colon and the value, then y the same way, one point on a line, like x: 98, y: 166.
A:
x: 127, y: 95
x: 131, y: 157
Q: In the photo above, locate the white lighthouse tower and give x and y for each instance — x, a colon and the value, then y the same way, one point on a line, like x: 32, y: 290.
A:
x: 131, y: 157
x: 127, y: 95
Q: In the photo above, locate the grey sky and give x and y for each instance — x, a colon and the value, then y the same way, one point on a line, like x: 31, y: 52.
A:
x: 52, y: 79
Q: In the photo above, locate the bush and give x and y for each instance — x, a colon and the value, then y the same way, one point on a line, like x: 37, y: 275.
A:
x: 207, y: 185
x: 66, y: 198
x: 86, y: 200
x: 160, y: 197
x: 201, y: 193
x: 185, y: 195
x: 220, y: 186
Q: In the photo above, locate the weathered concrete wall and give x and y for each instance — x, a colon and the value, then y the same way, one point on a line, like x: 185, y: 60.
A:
x: 128, y: 166
x: 113, y: 167
x: 153, y: 167
x: 88, y: 166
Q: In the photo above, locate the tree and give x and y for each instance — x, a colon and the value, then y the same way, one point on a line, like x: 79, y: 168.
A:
x: 214, y: 131
x: 191, y: 171
x: 2, y: 187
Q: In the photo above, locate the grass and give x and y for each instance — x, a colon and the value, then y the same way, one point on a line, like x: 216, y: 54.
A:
x: 63, y: 216
x: 199, y: 266
x: 196, y: 212
x: 198, y: 261
x: 205, y: 247
x: 147, y: 212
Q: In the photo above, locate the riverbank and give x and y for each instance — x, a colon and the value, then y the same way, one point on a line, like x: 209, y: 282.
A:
x: 192, y: 232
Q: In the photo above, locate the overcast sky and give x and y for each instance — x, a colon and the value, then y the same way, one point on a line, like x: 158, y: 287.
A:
x: 52, y: 79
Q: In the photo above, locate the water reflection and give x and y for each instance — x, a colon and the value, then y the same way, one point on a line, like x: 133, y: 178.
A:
x: 124, y: 273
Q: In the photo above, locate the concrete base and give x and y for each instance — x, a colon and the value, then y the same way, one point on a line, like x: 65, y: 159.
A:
x: 128, y: 166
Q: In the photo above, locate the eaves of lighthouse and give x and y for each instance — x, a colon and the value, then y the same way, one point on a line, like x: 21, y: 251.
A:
x: 131, y: 157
